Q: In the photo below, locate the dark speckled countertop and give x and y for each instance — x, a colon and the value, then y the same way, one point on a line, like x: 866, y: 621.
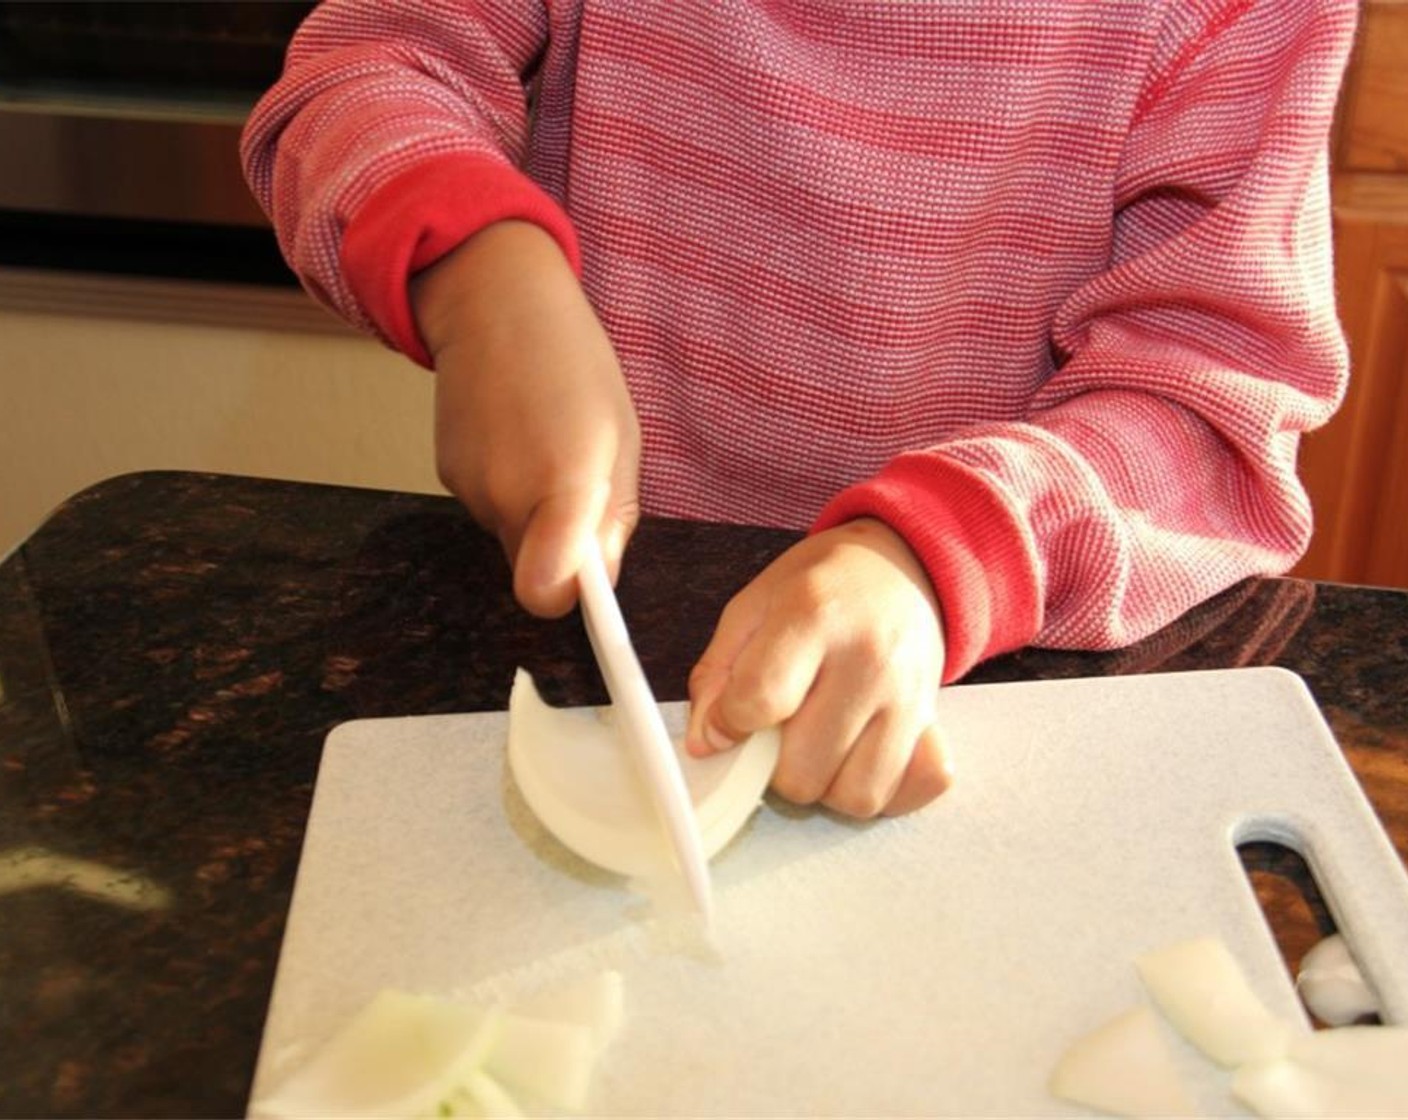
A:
x: 174, y: 648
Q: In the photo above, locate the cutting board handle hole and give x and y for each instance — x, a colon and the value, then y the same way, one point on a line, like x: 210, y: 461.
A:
x: 1290, y: 899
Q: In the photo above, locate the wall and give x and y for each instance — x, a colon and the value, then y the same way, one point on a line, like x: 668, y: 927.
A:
x: 84, y: 397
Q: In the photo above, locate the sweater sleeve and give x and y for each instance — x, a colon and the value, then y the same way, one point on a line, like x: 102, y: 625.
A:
x: 394, y: 133
x: 1157, y: 464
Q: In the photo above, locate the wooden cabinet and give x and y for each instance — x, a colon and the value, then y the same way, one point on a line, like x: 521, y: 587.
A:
x: 1356, y: 467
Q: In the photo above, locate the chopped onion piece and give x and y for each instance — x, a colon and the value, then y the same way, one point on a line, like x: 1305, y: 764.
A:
x: 595, y: 1001
x: 1123, y: 1067
x: 1331, y: 985
x: 1340, y: 1072
x: 491, y: 1100
x: 1280, y: 1089
x: 400, y: 1055
x: 1202, y: 990
x: 581, y: 783
x: 1368, y: 1055
x: 550, y: 1061
x: 414, y: 1056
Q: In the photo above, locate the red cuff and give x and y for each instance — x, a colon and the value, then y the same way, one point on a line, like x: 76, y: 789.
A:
x: 971, y: 544
x: 420, y: 215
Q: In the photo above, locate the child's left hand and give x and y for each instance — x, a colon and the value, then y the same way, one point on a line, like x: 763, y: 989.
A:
x: 839, y: 640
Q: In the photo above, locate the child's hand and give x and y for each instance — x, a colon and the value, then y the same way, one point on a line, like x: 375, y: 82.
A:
x: 839, y: 640
x: 534, y: 427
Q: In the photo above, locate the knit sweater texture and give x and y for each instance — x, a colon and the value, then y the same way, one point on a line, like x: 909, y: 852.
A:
x: 1044, y: 284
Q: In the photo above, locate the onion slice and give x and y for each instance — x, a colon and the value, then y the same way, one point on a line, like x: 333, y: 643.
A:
x: 1202, y: 990
x: 401, y: 1055
x: 1339, y: 1072
x: 552, y: 1062
x: 595, y: 1001
x: 491, y: 1100
x: 580, y: 782
x: 1123, y: 1067
x: 1370, y: 1055
x: 405, y: 1055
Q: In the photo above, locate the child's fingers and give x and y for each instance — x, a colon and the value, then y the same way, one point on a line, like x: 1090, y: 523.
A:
x: 816, y: 739
x: 873, y: 768
x: 556, y: 535
x: 926, y: 776
x: 710, y: 676
x: 706, y: 681
x: 736, y: 626
x: 767, y: 683
x: 622, y: 513
x: 827, y: 643
x: 616, y: 530
x: 546, y: 551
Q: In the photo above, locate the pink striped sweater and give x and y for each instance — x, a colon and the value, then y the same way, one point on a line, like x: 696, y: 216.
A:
x: 1044, y: 284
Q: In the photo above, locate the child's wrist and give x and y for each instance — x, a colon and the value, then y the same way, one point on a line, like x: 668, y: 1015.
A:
x: 441, y: 293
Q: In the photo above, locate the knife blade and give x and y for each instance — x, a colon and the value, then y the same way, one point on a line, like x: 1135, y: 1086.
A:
x: 643, y: 727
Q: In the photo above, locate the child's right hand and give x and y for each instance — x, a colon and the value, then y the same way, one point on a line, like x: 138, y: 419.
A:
x: 535, y: 431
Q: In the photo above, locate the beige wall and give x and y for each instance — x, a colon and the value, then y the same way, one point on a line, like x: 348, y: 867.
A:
x: 83, y: 398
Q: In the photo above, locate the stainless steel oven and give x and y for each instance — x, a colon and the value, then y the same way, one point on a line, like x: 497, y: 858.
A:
x: 119, y: 124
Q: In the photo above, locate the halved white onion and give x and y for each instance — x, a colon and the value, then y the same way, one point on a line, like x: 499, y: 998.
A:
x: 1202, y: 990
x: 1123, y: 1067
x: 401, y: 1055
x: 580, y: 782
x: 1331, y: 985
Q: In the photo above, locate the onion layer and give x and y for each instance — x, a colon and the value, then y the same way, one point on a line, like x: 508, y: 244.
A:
x: 1123, y: 1067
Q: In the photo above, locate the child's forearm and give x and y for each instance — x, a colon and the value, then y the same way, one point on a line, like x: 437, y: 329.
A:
x: 534, y: 428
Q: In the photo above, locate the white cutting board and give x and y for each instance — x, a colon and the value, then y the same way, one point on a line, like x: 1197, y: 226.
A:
x: 936, y: 964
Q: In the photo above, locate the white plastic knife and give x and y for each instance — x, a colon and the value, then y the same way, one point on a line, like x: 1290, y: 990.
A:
x: 644, y: 729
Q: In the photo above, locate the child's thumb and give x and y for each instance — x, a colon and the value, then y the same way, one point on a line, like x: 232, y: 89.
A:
x: 555, y: 537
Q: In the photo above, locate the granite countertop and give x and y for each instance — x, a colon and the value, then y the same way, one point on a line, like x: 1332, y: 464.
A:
x: 175, y: 647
